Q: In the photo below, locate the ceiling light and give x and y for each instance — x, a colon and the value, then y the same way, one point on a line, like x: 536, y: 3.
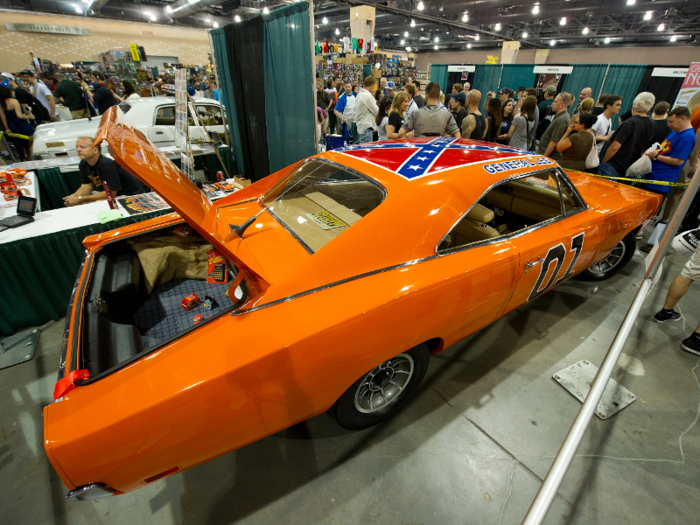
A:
x: 607, y: 40
x: 437, y: 38
x: 673, y: 38
x: 536, y: 9
x: 78, y: 10
x: 405, y: 33
x: 216, y: 24
x: 403, y: 41
x: 169, y: 9
x: 325, y: 20
x: 630, y: 2
x: 552, y: 42
x: 477, y: 37
x: 420, y: 6
x: 413, y: 23
x: 647, y: 15
x: 408, y: 49
x: 562, y: 22
x: 435, y: 48
x: 498, y: 27
x: 337, y: 31
x: 237, y: 18
x: 469, y: 46
x: 525, y: 34
x: 585, y: 31
x: 465, y: 17
x: 265, y: 10
x: 661, y: 27
x: 152, y: 17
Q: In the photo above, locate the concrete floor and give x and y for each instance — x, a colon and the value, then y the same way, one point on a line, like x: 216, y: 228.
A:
x: 471, y: 448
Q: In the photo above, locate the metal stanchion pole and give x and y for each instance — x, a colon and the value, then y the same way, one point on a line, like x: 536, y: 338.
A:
x: 313, y: 67
x: 548, y: 491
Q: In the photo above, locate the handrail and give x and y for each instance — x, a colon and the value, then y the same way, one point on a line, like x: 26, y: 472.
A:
x: 548, y: 491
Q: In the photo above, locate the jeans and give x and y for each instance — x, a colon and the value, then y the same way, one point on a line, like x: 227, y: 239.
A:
x: 606, y: 169
x: 367, y: 136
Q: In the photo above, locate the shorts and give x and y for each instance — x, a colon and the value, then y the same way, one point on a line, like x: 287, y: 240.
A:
x: 692, y: 267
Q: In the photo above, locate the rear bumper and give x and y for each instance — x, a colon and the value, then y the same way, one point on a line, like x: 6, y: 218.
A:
x: 90, y: 491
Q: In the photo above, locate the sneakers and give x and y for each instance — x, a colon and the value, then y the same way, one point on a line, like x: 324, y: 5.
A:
x: 661, y: 316
x: 690, y: 345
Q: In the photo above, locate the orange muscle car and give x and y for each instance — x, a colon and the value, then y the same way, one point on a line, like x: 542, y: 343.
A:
x: 342, y: 274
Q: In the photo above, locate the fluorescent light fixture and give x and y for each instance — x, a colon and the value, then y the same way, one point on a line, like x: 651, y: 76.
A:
x: 536, y: 9
x: 465, y: 17
x: 325, y: 20
x: 405, y: 34
x: 673, y: 38
x: 469, y: 46
x: 420, y: 6
x: 607, y: 40
x: 437, y: 38
x: 413, y: 23
x: 408, y: 49
x: 562, y: 22
x: 498, y: 27
x: 168, y: 9
x: 435, y: 48
x: 216, y: 24
x: 337, y: 31
x: 585, y: 31
x: 78, y: 9
x: 647, y: 15
x: 237, y: 18
x: 631, y: 2
x: 152, y: 17
x: 525, y: 34
x: 403, y: 41
x: 265, y: 10
x: 552, y: 42
x: 661, y: 27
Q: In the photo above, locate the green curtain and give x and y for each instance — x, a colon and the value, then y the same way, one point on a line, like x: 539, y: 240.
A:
x: 516, y: 75
x: 54, y: 185
x: 290, y: 115
x: 221, y: 56
x: 584, y: 75
x: 438, y: 73
x: 623, y: 80
x: 37, y: 293
x: 485, y: 80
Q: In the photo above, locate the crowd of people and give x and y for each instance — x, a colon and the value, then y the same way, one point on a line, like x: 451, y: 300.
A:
x: 541, y: 121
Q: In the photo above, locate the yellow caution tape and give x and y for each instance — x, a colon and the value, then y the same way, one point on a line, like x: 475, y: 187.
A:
x: 15, y: 135
x: 642, y: 181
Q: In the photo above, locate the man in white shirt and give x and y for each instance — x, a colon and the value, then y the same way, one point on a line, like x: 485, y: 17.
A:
x: 345, y: 110
x: 602, y: 129
x: 366, y: 111
x: 40, y: 91
x: 412, y: 106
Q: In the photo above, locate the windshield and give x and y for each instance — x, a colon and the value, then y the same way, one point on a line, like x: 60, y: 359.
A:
x: 125, y: 107
x: 319, y: 201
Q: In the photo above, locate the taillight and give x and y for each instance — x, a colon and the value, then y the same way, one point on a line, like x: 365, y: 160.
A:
x: 162, y: 474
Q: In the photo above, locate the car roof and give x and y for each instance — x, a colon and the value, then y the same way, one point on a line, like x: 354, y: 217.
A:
x: 162, y: 99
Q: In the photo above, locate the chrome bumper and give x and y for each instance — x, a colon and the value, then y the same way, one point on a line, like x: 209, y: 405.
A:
x: 91, y: 491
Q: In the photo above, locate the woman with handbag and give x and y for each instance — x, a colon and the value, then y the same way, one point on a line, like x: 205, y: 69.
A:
x: 577, y: 146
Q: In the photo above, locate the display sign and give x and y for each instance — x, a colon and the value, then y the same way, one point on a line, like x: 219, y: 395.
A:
x: 669, y: 72
x: 134, y: 52
x: 461, y: 69
x: 559, y: 70
x: 44, y: 28
x: 691, y: 86
x: 490, y: 59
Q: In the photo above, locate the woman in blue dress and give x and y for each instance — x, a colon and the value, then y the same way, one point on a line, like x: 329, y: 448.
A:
x: 506, y: 119
x: 15, y: 120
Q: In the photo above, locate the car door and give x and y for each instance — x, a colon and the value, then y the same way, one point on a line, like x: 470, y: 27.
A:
x: 211, y: 116
x: 162, y: 132
x: 558, y: 246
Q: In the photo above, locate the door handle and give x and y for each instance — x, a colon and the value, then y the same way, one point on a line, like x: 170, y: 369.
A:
x: 159, y: 132
x: 533, y: 263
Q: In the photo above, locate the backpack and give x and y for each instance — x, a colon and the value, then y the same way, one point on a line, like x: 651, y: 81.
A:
x: 41, y: 114
x: 546, y: 118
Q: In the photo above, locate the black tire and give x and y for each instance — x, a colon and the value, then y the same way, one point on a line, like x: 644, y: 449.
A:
x: 620, y: 255
x: 356, y: 408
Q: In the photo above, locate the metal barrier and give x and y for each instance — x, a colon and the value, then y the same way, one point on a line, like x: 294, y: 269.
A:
x: 548, y: 491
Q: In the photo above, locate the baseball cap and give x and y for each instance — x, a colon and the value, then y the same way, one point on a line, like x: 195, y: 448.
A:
x: 5, y: 82
x: 27, y: 72
x: 7, y: 75
x: 390, y: 85
x: 461, y: 98
x: 522, y: 88
x: 508, y: 91
x: 551, y: 89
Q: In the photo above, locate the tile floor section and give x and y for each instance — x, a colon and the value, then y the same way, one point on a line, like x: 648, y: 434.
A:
x: 471, y: 448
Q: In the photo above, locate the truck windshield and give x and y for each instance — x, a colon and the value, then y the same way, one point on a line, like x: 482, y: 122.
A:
x: 319, y: 201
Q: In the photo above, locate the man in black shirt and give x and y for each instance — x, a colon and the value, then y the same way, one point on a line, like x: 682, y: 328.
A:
x: 96, y: 169
x: 418, y: 99
x: 630, y: 140
x: 460, y: 100
x: 103, y: 96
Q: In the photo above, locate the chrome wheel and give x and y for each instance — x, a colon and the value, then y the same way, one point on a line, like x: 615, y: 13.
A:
x: 384, y: 384
x: 611, y: 261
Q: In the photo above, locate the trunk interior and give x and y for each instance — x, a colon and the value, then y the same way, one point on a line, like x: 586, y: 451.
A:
x: 133, y: 299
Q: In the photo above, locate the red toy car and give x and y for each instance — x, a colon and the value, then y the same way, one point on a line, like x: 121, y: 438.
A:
x: 190, y: 301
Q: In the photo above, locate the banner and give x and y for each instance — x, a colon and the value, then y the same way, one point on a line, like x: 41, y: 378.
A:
x: 691, y: 86
x: 490, y: 59
x: 458, y: 69
x: 557, y: 70
x: 134, y: 52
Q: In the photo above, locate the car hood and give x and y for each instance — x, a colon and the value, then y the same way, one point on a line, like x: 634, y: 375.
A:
x: 132, y: 150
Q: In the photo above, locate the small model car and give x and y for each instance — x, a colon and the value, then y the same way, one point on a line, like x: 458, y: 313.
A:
x: 189, y: 302
x: 197, y: 319
x: 349, y: 270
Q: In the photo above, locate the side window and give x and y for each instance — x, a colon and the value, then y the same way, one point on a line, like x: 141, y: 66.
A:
x: 508, y: 208
x: 210, y: 115
x: 165, y: 116
x: 570, y: 199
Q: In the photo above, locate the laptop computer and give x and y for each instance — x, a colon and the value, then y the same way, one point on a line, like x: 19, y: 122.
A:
x: 26, y: 208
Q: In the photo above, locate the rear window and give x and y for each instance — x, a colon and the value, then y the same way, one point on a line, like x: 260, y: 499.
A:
x: 125, y: 107
x: 319, y: 201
